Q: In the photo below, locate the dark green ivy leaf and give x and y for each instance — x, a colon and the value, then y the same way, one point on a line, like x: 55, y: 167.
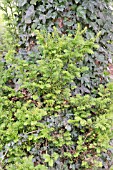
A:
x: 29, y: 14
x: 81, y: 12
x: 22, y: 2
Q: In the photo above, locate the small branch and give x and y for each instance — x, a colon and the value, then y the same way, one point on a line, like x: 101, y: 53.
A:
x: 31, y: 132
x: 4, y: 155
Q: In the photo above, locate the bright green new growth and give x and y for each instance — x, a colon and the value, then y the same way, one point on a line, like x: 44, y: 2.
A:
x: 42, y: 120
x: 23, y: 17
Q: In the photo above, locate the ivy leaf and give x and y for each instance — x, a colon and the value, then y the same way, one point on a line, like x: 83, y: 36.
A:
x: 29, y: 14
x: 51, y: 1
x: 43, y: 18
x: 81, y: 12
x: 33, y: 2
x: 69, y: 23
x: 21, y: 2
x: 42, y: 8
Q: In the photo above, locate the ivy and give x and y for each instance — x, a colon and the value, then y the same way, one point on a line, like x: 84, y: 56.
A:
x: 95, y: 15
x: 44, y: 125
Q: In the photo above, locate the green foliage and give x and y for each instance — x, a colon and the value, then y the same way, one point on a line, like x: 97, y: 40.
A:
x: 8, y: 38
x: 25, y: 163
x: 65, y: 14
x: 51, y: 159
x: 10, y: 12
x: 43, y: 124
x: 1, y: 31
